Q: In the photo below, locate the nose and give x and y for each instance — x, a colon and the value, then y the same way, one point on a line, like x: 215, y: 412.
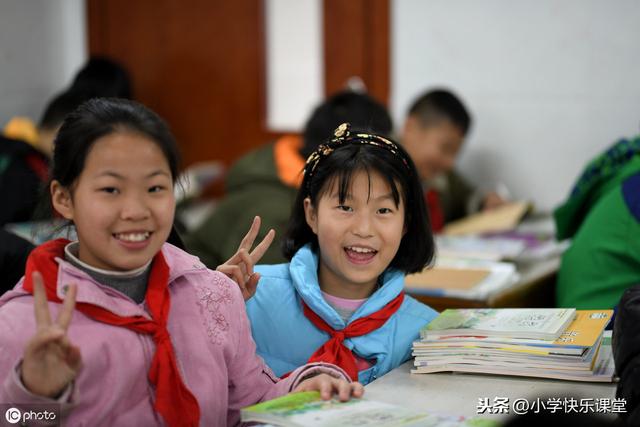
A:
x: 362, y: 226
x: 134, y: 208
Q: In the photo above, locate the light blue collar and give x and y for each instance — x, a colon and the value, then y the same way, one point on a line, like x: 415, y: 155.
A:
x: 304, y: 274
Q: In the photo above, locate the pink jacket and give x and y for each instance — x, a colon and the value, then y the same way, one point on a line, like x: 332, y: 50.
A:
x: 209, y: 330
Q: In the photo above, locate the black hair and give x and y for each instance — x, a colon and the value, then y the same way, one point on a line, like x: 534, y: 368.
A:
x: 99, y: 78
x: 99, y: 117
x: 416, y: 247
x: 436, y: 105
x: 62, y: 104
x: 103, y: 77
x: 360, y: 110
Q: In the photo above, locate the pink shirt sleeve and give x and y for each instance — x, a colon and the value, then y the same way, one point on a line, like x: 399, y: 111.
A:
x: 251, y: 380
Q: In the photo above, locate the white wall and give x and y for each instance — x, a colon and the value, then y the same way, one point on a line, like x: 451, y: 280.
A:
x: 42, y: 44
x: 295, y: 65
x: 550, y: 83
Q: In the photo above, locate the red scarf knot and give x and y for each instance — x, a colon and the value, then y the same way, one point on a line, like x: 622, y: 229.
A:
x: 334, y: 351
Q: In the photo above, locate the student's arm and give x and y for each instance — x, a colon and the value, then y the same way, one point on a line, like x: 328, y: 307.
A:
x: 252, y: 381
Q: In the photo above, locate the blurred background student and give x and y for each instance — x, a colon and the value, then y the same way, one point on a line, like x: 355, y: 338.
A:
x: 434, y: 133
x: 25, y: 151
x: 602, y: 217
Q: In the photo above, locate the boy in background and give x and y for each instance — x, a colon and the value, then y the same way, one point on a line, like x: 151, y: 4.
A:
x: 433, y: 134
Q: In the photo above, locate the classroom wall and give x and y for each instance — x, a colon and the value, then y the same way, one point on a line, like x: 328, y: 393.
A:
x: 294, y: 62
x: 42, y: 44
x: 550, y: 83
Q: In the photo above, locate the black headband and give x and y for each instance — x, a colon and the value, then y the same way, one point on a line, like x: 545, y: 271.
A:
x: 342, y: 136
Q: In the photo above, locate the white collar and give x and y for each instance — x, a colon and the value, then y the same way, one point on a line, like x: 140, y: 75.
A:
x: 71, y: 250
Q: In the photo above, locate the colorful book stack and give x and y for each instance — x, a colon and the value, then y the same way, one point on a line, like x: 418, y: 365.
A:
x: 546, y: 343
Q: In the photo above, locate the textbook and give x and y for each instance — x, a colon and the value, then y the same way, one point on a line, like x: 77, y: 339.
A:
x: 581, y: 334
x: 601, y: 369
x: 307, y: 409
x: 502, y: 218
x: 581, y: 353
x: 531, y: 323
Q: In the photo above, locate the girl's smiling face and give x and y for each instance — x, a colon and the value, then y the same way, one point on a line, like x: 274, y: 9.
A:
x: 122, y: 203
x: 359, y: 237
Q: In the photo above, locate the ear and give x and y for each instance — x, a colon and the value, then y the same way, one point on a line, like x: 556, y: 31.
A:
x: 311, y: 215
x: 61, y: 200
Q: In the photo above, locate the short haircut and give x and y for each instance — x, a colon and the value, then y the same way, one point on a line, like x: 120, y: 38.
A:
x: 360, y: 110
x: 436, y: 105
x: 416, y: 247
x: 104, y: 78
x: 58, y: 108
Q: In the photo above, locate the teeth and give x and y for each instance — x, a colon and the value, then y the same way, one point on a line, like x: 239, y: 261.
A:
x: 360, y: 250
x: 133, y: 237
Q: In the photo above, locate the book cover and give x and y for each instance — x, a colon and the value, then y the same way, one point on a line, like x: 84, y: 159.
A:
x: 534, y: 323
x: 583, y: 332
x: 307, y: 409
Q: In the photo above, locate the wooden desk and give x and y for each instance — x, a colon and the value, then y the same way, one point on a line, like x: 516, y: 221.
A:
x: 459, y: 394
x: 535, y: 288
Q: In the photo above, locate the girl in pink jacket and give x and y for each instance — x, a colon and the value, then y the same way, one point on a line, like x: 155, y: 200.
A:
x: 119, y: 327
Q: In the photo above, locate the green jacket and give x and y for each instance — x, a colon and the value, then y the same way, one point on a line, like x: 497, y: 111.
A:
x: 252, y: 188
x: 603, y: 218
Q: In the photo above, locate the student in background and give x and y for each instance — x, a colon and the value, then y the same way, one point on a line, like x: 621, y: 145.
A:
x: 25, y: 152
x: 602, y: 217
x: 265, y: 181
x: 358, y: 225
x: 25, y: 149
x: 433, y: 135
x: 171, y: 336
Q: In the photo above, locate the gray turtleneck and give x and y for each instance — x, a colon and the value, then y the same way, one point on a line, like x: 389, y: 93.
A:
x: 131, y: 283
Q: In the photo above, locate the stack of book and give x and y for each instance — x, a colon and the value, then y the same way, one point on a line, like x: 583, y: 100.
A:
x: 546, y: 343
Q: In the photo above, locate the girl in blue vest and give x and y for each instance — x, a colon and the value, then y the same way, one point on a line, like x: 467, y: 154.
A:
x: 358, y: 226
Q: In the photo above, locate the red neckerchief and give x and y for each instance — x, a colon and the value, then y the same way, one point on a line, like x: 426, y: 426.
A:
x: 436, y: 214
x: 173, y: 401
x: 334, y: 351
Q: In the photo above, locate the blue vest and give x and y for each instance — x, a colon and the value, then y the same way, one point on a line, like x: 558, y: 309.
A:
x: 286, y: 338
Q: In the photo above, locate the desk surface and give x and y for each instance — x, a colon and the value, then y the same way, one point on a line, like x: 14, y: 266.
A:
x: 459, y: 394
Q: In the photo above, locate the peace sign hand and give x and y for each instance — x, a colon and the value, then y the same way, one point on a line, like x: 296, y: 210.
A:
x: 240, y: 266
x: 50, y: 361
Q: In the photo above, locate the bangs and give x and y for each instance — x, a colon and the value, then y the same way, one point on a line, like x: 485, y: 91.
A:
x: 344, y: 179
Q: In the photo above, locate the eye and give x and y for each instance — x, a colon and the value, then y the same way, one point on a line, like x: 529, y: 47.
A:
x: 345, y: 208
x: 385, y: 211
x: 109, y: 190
x: 156, y: 189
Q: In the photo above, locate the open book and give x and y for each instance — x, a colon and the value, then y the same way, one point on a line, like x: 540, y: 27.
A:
x: 306, y: 409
